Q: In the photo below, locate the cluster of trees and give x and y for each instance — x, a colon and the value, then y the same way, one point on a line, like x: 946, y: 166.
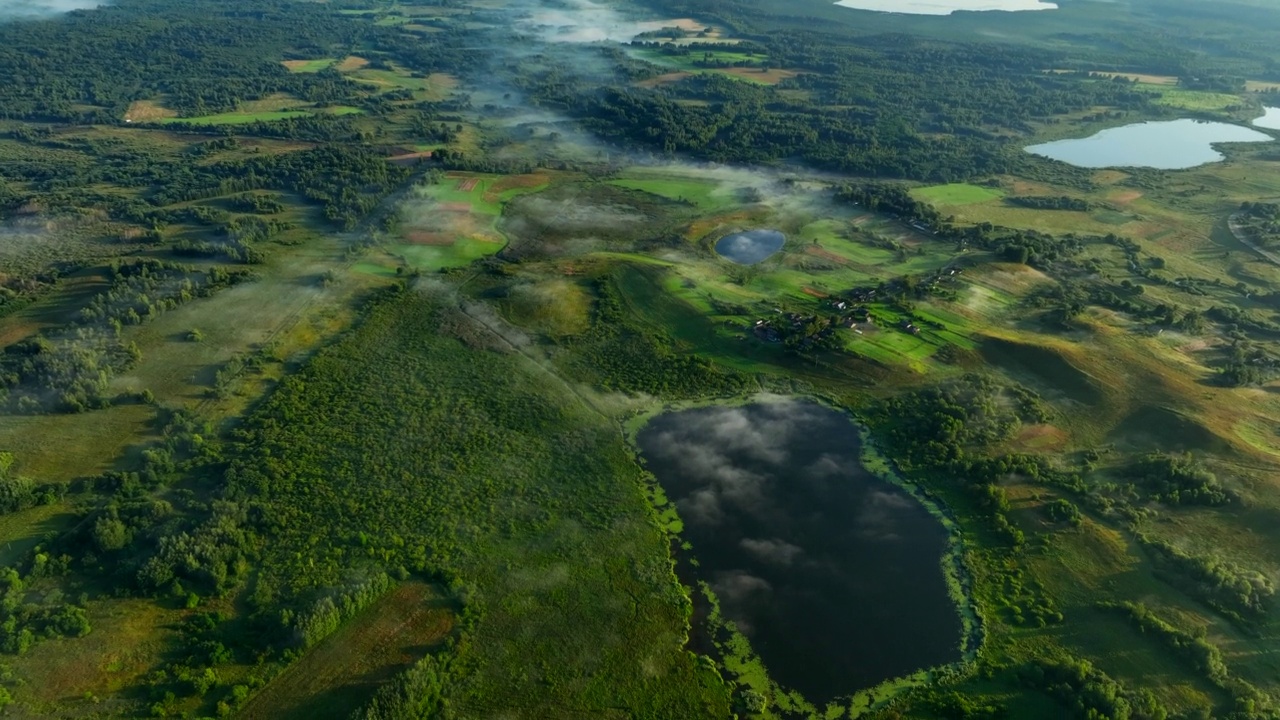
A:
x: 29, y: 613
x: 348, y: 181
x: 1063, y: 510
x: 1247, y: 363
x: 18, y: 492
x: 892, y: 106
x: 1261, y: 220
x: 1061, y: 202
x: 417, y: 692
x: 142, y: 289
x: 1030, y: 247
x: 950, y: 430
x: 1193, y: 647
x: 1179, y: 480
x: 70, y: 372
x: 940, y: 425
x: 1088, y: 692
x: 202, y: 56
x: 330, y: 611
x: 620, y: 353
x: 259, y: 203
x: 70, y: 369
x: 1204, y: 656
x: 1237, y: 592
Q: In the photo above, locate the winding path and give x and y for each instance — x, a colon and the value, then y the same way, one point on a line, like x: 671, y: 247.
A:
x: 1242, y: 234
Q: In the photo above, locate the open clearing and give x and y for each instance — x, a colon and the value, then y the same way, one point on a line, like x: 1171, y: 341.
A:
x: 434, y: 87
x: 1191, y: 99
x: 956, y: 194
x: 308, y: 66
x: 705, y: 194
x: 352, y: 62
x: 237, y: 118
x: 148, y: 111
x: 769, y: 76
x: 337, y: 676
x: 1142, y: 78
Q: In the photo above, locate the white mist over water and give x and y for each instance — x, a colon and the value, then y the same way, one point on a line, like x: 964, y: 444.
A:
x: 584, y: 21
x: 23, y: 9
x: 946, y: 7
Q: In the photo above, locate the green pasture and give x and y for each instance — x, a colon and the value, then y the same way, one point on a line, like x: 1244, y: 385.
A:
x: 430, y: 258
x: 704, y: 194
x: 447, y: 191
x: 236, y: 118
x: 1190, y: 99
x: 956, y: 194
x: 691, y: 61
x: 312, y: 66
x: 398, y: 78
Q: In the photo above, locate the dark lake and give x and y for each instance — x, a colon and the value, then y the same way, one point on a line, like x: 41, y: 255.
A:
x: 832, y: 573
x: 751, y: 246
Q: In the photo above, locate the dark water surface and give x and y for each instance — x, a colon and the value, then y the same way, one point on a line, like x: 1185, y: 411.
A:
x: 833, y: 574
x: 751, y: 246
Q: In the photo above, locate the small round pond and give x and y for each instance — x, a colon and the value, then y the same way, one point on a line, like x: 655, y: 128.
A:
x: 751, y: 246
x: 834, y: 574
x: 1165, y: 145
x: 945, y: 7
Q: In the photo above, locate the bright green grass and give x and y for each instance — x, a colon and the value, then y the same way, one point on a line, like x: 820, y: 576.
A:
x: 398, y: 79
x: 373, y: 268
x: 448, y: 192
x: 313, y: 66
x: 430, y: 258
x: 684, y: 315
x: 704, y: 194
x: 342, y: 110
x: 236, y: 118
x: 690, y: 62
x: 1190, y: 99
x: 956, y: 194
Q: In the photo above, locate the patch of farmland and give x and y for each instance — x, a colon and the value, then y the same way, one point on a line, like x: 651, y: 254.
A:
x: 147, y: 111
x: 956, y: 194
x: 308, y: 66
x: 761, y: 75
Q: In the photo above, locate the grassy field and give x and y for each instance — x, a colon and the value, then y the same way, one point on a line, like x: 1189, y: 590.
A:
x: 337, y: 677
x: 705, y: 194
x: 433, y: 87
x: 1191, y: 99
x: 956, y: 194
x: 309, y: 66
x: 236, y: 118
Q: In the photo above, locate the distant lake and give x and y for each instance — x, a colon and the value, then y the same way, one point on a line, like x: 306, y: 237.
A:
x: 1168, y: 145
x: 833, y: 573
x: 750, y: 247
x: 1271, y: 120
x: 945, y: 7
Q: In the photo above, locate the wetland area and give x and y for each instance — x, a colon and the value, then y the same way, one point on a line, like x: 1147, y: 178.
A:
x: 813, y: 558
